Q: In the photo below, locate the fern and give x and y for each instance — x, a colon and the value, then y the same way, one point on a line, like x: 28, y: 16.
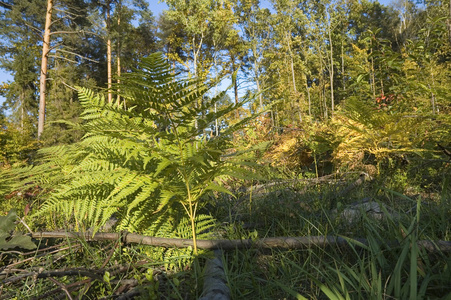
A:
x: 144, y: 160
x: 359, y: 127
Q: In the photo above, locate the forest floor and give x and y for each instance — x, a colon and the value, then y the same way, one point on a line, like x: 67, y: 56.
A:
x: 370, y: 242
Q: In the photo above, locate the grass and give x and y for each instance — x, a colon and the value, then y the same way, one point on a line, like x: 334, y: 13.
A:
x: 379, y: 269
x: 100, y: 270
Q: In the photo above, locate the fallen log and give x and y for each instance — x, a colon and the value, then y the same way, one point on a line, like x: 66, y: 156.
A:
x: 274, y: 242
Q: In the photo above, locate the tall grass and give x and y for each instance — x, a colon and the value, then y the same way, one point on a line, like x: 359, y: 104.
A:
x: 390, y: 265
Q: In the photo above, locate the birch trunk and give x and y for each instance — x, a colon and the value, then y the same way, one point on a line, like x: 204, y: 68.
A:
x: 331, y: 71
x: 257, y: 80
x: 373, y: 79
x: 343, y: 66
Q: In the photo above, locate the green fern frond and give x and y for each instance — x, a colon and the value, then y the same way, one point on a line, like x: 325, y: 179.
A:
x: 144, y: 161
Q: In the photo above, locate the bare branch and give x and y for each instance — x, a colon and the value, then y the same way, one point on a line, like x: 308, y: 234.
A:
x: 446, y: 151
x: 5, y: 5
x: 76, y: 54
x: 35, y: 30
x: 63, y: 58
x: 67, y: 32
x: 96, y: 274
x: 68, y: 86
x: 72, y: 15
x: 55, y: 46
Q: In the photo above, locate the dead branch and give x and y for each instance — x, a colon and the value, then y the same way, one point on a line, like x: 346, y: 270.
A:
x: 69, y: 287
x: 362, y: 178
x: 110, y: 254
x: 275, y: 242
x: 79, y: 55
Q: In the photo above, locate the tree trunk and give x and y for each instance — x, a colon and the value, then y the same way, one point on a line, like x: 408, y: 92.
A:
x: 309, y: 100
x: 215, y: 280
x: 343, y: 66
x: 434, y: 110
x: 292, y: 63
x: 322, y: 87
x: 373, y: 79
x: 257, y: 80
x: 235, y: 85
x: 195, y: 56
x: 22, y: 110
x: 449, y: 23
x: 331, y: 73
x: 45, y: 56
x: 108, y: 51
x: 118, y: 58
x: 293, y: 78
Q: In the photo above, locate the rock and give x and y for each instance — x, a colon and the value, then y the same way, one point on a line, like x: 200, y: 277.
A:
x: 354, y: 212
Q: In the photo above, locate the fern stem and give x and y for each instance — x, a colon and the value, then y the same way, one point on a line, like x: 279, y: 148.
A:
x: 192, y: 215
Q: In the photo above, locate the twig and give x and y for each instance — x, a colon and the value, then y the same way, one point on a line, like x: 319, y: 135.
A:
x: 73, y: 286
x: 62, y: 286
x: 131, y: 294
x: 41, y: 250
x: 26, y: 226
x: 110, y: 254
x: 362, y: 178
x: 58, y: 273
x: 79, y: 55
x: 68, y: 86
x: 446, y: 151
x: 34, y: 257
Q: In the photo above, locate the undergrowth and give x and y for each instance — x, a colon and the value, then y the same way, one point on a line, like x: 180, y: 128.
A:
x: 390, y: 265
x: 76, y: 269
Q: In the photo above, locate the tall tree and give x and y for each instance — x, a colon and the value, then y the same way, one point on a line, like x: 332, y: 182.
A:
x: 44, y: 62
x: 63, y: 40
x: 171, y: 36
x: 20, y: 56
x: 224, y: 37
x: 255, y: 27
x: 195, y: 17
x: 108, y: 49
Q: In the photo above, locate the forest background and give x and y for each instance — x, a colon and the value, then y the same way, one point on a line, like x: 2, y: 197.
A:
x: 309, y: 57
